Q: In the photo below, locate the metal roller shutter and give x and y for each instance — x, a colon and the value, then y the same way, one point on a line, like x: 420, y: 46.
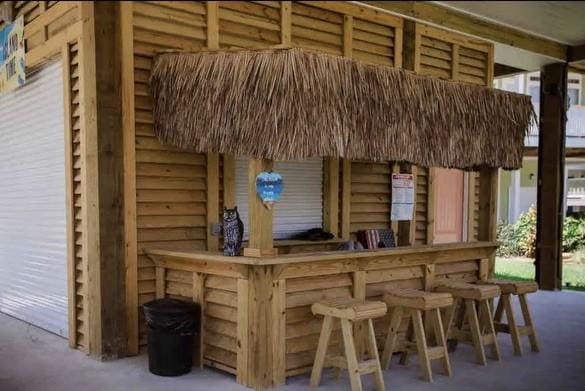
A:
x: 33, y: 240
x: 301, y: 204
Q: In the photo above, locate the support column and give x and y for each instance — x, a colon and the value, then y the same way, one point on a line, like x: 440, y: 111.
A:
x: 551, y: 170
x: 102, y: 142
x: 260, y: 242
x: 514, y: 196
x: 488, y: 208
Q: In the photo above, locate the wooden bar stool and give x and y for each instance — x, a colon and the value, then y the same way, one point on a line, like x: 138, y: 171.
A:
x: 348, y: 311
x: 520, y: 289
x: 411, y: 303
x: 477, y: 318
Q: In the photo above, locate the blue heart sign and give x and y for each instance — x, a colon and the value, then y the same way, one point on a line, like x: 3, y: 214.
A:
x: 269, y: 187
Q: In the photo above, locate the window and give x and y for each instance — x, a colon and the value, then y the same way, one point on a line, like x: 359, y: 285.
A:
x: 573, y: 95
x: 301, y: 204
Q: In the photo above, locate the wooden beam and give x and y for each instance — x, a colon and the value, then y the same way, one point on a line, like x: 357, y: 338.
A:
x: 551, y: 171
x: 501, y: 70
x: 471, y: 25
x: 260, y: 241
x: 103, y: 154
x: 331, y: 196
x: 576, y: 53
x: 431, y: 206
x: 129, y: 142
x: 346, y: 200
x: 212, y: 24
x: 286, y: 22
x: 229, y: 181
x: 212, y: 200
x: 488, y: 207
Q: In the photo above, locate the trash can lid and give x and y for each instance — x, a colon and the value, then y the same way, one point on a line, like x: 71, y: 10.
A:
x: 170, y: 306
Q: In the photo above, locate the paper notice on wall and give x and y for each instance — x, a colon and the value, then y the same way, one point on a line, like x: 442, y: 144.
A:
x: 402, y: 197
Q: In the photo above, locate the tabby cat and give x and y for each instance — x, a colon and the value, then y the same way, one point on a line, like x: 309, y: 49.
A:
x: 233, y: 232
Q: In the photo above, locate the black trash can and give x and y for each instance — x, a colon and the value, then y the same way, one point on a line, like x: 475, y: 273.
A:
x: 173, y: 326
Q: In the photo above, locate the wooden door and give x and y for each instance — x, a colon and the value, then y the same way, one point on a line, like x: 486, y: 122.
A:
x: 449, y: 202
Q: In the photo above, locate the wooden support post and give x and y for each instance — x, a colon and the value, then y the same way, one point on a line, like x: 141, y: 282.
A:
x: 229, y: 181
x: 346, y: 200
x: 488, y: 208
x: 129, y: 144
x: 260, y: 242
x: 471, y: 180
x: 279, y: 330
x: 551, y: 171
x: 242, y: 332
x: 102, y: 155
x: 212, y: 199
x: 212, y: 24
x: 331, y: 196
x: 431, y: 206
x: 260, y: 328
x: 199, y: 297
x: 360, y: 328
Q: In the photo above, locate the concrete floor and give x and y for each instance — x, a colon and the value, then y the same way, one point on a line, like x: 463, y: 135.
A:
x: 32, y: 359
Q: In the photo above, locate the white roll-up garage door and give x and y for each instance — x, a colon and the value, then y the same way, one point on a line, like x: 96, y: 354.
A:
x: 33, y: 240
x: 301, y: 204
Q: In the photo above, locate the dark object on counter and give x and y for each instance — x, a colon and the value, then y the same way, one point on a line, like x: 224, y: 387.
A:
x: 172, y: 327
x: 376, y: 238
x: 315, y: 235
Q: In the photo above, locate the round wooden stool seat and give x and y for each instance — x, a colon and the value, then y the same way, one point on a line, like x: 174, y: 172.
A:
x: 416, y: 299
x: 512, y: 287
x: 463, y: 290
x: 350, y: 309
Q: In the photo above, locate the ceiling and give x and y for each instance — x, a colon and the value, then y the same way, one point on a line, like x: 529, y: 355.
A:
x: 562, y: 21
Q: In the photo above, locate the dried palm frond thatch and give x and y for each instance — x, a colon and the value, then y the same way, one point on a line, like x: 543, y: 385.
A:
x: 293, y: 104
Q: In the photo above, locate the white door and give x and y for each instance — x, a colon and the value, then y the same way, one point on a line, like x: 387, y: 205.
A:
x: 33, y: 240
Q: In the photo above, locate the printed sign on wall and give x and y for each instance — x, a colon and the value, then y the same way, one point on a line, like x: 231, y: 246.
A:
x: 269, y: 187
x: 12, y: 68
x: 402, y: 197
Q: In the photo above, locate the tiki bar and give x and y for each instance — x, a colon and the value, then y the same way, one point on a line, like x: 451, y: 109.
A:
x: 378, y: 137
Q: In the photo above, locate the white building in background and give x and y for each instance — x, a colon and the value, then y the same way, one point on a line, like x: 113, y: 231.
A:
x: 518, y: 188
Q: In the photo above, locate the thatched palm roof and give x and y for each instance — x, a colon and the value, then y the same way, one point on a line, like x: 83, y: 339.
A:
x: 294, y: 104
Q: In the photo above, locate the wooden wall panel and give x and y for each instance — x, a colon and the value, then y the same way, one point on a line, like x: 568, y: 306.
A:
x: 453, y: 56
x: 171, y: 199
x: 372, y: 42
x: 246, y: 24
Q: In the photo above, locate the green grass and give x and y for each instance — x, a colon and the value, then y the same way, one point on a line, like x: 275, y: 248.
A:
x: 522, y: 269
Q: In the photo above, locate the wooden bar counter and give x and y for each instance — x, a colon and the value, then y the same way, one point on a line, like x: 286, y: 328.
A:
x: 257, y: 322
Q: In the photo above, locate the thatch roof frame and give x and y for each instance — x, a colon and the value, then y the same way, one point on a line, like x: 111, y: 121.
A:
x: 286, y: 104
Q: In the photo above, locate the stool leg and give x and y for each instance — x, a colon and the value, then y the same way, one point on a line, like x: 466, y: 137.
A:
x: 528, y: 322
x: 391, y: 338
x: 321, y: 351
x: 512, y: 327
x: 351, y: 356
x: 337, y: 370
x: 421, y: 345
x: 378, y: 377
x: 471, y: 312
x: 408, y: 338
x: 456, y: 323
x: 440, y: 338
x: 499, y: 311
x: 489, y: 324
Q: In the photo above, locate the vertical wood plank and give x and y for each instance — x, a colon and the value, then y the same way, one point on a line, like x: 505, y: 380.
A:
x: 279, y: 329
x: 212, y: 199
x: 346, y: 200
x: 129, y: 141
x: 69, y: 198
x: 331, y: 196
x: 431, y: 206
x: 260, y: 241
x: 42, y: 9
x: 417, y: 46
x: 360, y: 330
x: 229, y: 181
x: 347, y: 35
x: 490, y: 66
x: 89, y: 177
x: 260, y: 327
x: 199, y: 298
x: 412, y: 233
x: 212, y: 24
x: 455, y: 61
x: 285, y: 23
x: 395, y: 169
x: 488, y: 208
x: 484, y: 269
x: 471, y: 178
x: 429, y: 276
x: 398, y: 46
x: 160, y: 283
x: 243, y: 332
